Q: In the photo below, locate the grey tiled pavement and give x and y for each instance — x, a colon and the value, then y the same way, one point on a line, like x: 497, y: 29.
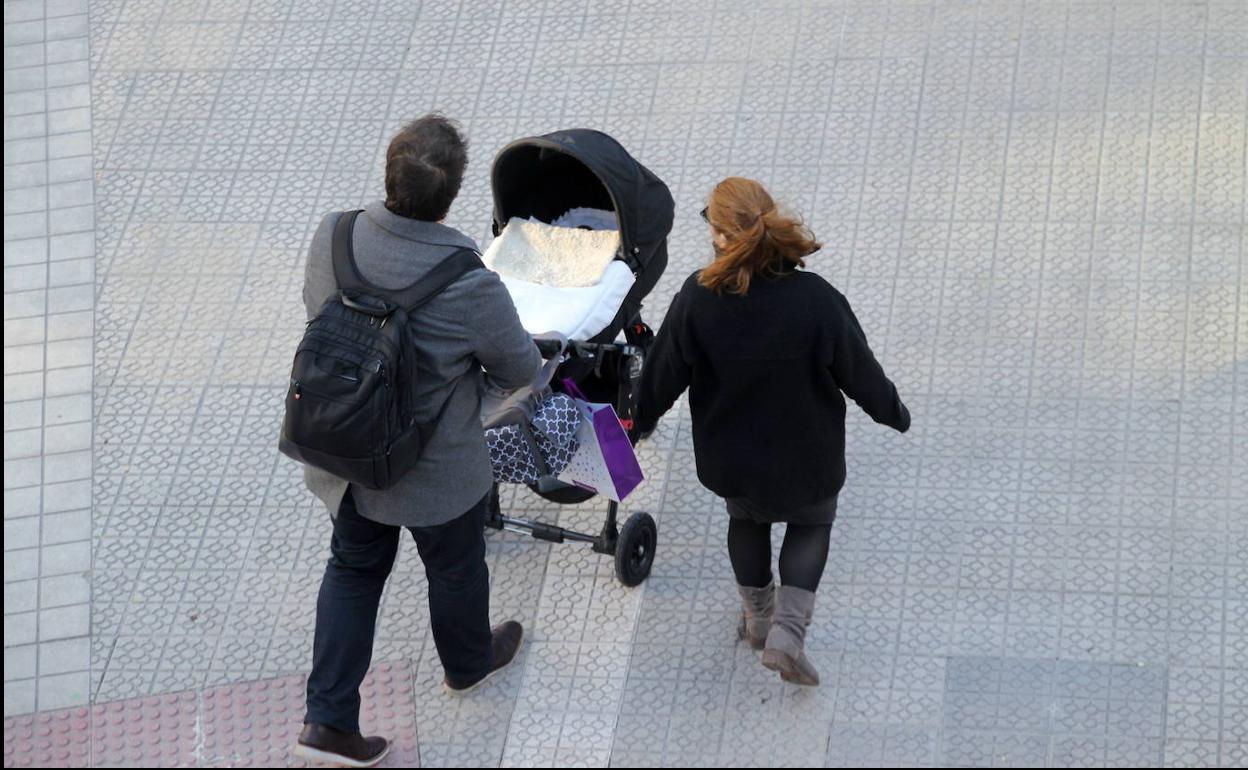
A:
x: 49, y: 258
x: 1037, y: 209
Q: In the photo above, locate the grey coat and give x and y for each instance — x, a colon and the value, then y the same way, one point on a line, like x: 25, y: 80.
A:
x: 467, y: 337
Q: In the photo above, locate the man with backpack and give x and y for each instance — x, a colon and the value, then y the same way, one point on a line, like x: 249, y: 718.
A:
x: 407, y: 328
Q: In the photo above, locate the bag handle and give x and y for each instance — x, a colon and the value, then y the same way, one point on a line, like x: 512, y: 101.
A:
x: 570, y: 387
x: 535, y: 452
x: 545, y: 342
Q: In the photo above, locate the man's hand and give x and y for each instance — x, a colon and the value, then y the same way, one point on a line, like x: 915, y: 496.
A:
x: 550, y: 344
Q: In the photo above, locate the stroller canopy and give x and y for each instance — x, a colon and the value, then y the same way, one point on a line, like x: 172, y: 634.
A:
x: 544, y: 176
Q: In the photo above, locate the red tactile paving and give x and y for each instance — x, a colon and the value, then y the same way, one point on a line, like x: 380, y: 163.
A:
x: 158, y: 731
x: 246, y: 723
x: 51, y: 739
x: 390, y: 711
x: 251, y: 724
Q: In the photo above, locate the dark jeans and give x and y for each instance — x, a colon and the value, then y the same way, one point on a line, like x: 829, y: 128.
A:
x: 362, y: 554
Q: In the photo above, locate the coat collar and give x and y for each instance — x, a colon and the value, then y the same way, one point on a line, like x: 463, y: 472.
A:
x: 416, y: 229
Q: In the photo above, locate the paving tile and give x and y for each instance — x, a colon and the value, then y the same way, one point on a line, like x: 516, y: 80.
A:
x: 60, y: 439
x: 69, y: 381
x: 61, y: 690
x: 69, y: 495
x: 66, y: 466
x: 71, y: 245
x: 20, y: 595
x: 28, y: 250
x: 67, y: 73
x: 19, y: 698
x: 21, y: 533
x: 20, y: 662
x: 20, y: 566
x: 20, y: 628
x: 63, y: 590
x: 28, y: 10
x: 64, y: 656
x: 69, y: 26
x: 61, y: 558
x: 63, y: 622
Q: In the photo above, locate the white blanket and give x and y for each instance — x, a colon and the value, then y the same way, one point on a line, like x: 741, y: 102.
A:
x: 578, y: 313
x: 562, y: 257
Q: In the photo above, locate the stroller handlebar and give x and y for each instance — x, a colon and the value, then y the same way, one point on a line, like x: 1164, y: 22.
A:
x: 550, y: 346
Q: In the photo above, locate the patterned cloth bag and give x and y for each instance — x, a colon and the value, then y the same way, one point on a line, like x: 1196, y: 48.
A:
x: 531, y: 433
x: 523, y: 453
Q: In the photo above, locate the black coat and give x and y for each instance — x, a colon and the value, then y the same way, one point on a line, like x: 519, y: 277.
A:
x: 765, y: 373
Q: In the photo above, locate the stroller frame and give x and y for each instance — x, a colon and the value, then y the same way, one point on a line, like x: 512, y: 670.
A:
x: 542, y: 177
x: 632, y: 546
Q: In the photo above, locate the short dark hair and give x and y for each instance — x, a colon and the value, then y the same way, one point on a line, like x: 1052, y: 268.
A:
x: 424, y: 167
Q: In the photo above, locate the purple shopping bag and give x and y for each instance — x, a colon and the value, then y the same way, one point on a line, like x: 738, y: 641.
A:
x: 604, y: 461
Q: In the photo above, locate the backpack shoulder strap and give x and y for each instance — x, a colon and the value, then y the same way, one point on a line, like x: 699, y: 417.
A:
x: 449, y: 270
x: 345, y: 272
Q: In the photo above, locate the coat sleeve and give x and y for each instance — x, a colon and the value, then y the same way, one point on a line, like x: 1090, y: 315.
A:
x: 505, y: 349
x: 318, y: 271
x: 859, y: 375
x: 668, y: 368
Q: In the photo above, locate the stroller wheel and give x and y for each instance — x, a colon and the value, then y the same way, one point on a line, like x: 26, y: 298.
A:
x: 634, y: 551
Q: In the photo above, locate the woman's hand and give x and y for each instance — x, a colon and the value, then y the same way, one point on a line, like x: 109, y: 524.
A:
x: 636, y: 434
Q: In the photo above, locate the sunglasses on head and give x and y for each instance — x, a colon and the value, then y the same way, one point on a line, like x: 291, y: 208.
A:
x: 702, y: 213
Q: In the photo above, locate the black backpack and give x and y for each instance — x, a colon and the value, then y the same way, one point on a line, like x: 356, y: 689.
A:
x: 350, y: 409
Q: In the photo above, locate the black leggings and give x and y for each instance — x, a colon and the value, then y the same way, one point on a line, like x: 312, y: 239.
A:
x: 802, y: 557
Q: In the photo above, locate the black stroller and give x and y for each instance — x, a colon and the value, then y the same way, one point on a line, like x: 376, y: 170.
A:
x: 542, y: 177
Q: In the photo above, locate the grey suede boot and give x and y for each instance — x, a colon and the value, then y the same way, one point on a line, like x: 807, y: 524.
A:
x: 786, y: 642
x: 757, y: 605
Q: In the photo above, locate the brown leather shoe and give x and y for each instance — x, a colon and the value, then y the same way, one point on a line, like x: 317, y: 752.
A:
x: 506, y: 643
x: 320, y: 743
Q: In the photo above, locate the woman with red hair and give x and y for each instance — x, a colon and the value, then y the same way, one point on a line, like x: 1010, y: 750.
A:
x: 766, y: 350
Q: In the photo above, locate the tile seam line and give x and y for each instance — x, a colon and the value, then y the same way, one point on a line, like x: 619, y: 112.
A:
x: 198, y: 412
x: 676, y: 438
x: 1183, y: 382
x: 957, y: 557
x: 914, y: 143
x: 1005, y: 170
x: 246, y: 269
x: 43, y: 408
x: 1088, y: 278
x: 96, y: 165
x: 546, y: 563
